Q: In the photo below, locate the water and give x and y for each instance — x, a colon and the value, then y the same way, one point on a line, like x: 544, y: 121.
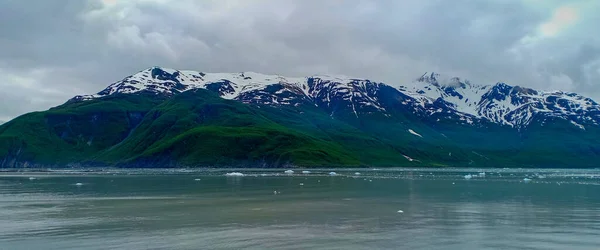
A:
x: 267, y: 209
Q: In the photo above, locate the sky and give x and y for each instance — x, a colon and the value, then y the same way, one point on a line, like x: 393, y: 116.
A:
x: 52, y: 50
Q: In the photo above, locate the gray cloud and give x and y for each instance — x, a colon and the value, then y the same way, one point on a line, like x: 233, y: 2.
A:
x: 54, y: 50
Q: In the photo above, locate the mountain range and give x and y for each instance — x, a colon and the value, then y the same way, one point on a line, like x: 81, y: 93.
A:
x: 162, y: 117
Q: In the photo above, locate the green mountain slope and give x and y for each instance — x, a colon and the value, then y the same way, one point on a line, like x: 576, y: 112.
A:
x: 197, y: 128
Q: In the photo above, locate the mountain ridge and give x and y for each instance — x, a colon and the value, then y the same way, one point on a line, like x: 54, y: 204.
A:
x: 169, y: 118
x: 499, y: 103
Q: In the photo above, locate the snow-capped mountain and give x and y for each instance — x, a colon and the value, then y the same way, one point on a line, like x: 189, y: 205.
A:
x: 504, y: 104
x: 334, y: 92
x: 431, y: 96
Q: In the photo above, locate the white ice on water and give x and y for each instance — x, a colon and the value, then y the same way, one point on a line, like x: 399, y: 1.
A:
x: 288, y: 171
x: 234, y: 174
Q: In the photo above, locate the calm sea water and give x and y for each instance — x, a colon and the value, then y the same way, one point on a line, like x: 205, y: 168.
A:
x: 267, y: 209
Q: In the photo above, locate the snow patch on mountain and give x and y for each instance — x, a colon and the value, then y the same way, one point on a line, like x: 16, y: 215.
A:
x: 578, y: 125
x: 414, y: 133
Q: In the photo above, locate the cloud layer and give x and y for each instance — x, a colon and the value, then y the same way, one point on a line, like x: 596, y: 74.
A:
x: 53, y: 50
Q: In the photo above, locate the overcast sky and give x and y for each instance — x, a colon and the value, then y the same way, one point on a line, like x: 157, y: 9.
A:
x: 51, y: 50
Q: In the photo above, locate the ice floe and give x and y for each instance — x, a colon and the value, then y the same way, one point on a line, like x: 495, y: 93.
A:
x: 234, y: 174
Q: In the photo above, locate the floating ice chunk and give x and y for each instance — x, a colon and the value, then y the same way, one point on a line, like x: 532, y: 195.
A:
x: 332, y: 173
x: 78, y: 184
x: 238, y: 174
x: 275, y: 192
x: 453, y: 183
x: 306, y: 172
x: 400, y: 211
x: 468, y: 177
x: 32, y: 178
x: 526, y: 180
x: 357, y: 173
x: 482, y: 174
x: 288, y: 171
x: 196, y: 179
x: 301, y: 184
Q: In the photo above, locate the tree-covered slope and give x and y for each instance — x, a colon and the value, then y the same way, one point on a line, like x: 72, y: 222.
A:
x: 195, y: 128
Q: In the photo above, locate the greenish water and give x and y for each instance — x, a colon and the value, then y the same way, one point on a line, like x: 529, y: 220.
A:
x: 204, y: 209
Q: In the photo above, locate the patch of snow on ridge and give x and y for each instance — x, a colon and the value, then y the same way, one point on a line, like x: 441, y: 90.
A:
x: 414, y: 133
x: 578, y: 125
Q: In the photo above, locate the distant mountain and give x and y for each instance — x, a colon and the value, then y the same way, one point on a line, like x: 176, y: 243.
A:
x: 509, y: 105
x: 165, y: 117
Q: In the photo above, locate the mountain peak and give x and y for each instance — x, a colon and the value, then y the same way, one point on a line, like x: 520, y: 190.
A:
x: 443, y: 81
x: 502, y: 85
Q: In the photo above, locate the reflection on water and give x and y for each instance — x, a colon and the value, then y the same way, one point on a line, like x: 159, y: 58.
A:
x: 267, y: 209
